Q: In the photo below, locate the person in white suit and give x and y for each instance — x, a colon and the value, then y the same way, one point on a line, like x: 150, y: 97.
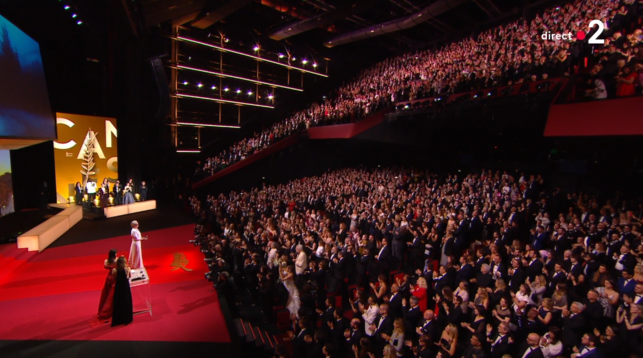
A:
x: 302, y: 261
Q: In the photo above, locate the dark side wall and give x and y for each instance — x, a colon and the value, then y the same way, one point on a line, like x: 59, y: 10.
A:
x: 30, y: 167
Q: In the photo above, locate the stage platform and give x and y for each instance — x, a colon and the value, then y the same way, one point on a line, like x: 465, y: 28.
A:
x: 48, y: 298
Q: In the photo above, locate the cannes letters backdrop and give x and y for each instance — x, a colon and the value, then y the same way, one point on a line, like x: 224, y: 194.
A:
x: 69, y: 150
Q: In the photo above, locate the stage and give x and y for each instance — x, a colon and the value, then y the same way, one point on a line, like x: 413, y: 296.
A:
x: 48, y: 298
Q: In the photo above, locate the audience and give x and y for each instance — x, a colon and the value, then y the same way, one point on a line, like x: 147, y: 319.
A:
x: 508, y: 54
x: 571, y: 291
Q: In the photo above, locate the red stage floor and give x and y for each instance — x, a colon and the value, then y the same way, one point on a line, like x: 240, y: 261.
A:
x: 52, y: 295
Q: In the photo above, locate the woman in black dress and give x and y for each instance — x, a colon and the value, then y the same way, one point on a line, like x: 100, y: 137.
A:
x: 79, y: 194
x: 123, y: 309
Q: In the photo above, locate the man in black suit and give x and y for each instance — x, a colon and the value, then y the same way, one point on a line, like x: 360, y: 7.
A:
x: 412, y: 315
x: 534, y: 265
x: 517, y: 275
x: 531, y: 348
x: 395, y: 302
x: 558, y: 276
x: 338, y: 325
x: 587, y: 349
x: 117, y: 191
x: 428, y: 326
x: 328, y: 314
x: 574, y: 325
x: 475, y: 349
x: 299, y: 339
x: 353, y: 334
x: 498, y: 268
x: 383, y: 326
x: 500, y: 343
x: 384, y: 255
x: 465, y: 270
x: 593, y: 309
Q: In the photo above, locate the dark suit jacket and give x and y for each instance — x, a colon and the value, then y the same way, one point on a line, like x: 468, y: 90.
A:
x: 517, y: 278
x: 500, y: 348
x: 464, y: 274
x: 395, y: 305
x: 534, y: 269
x: 430, y: 328
x: 535, y: 353
x: 573, y: 329
x: 383, y: 325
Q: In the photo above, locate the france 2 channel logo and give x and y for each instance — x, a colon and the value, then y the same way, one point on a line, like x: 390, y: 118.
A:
x: 580, y: 35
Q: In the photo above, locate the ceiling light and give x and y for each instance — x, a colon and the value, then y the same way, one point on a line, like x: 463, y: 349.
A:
x: 238, y: 91
x: 249, y: 93
x: 79, y: 22
x: 281, y: 55
x: 67, y: 7
x: 73, y: 16
x: 256, y: 48
x: 226, y: 89
x: 304, y: 61
x: 315, y: 64
x: 227, y: 39
x: 199, y: 85
x: 270, y: 97
x: 214, y: 87
x: 185, y: 83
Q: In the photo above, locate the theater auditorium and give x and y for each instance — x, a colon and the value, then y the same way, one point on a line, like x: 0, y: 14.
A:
x: 321, y: 178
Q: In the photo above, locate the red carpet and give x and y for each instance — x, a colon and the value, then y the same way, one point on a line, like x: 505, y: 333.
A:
x: 52, y: 295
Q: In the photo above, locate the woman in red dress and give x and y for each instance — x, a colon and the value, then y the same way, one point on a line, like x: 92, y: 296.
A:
x: 420, y: 292
x: 105, y: 305
x: 625, y: 83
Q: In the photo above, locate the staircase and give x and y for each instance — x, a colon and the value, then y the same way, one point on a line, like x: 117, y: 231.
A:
x: 258, y: 342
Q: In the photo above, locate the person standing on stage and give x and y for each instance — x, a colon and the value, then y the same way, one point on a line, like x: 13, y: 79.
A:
x: 79, y: 194
x: 117, y: 191
x: 90, y: 189
x: 135, y: 254
x: 128, y: 196
x: 103, y: 193
x: 143, y: 191
x: 123, y: 311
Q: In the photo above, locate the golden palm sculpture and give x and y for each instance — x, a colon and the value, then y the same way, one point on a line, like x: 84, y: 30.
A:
x: 88, y: 157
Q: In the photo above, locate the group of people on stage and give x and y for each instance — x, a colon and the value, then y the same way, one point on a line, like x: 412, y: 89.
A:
x: 116, y: 297
x: 121, y: 195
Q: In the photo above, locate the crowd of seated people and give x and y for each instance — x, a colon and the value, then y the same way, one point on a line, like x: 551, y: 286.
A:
x: 479, y: 265
x: 513, y: 53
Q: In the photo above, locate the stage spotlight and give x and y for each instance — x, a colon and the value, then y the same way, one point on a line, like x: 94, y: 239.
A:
x: 199, y: 85
x: 189, y: 58
x: 79, y: 22
x: 314, y: 64
x: 249, y: 93
x: 304, y: 61
x: 294, y: 58
x: 227, y: 40
x: 67, y: 7
x: 256, y: 48
x: 238, y: 91
x: 226, y: 89
x: 281, y: 55
x: 185, y: 83
x: 214, y: 87
x: 73, y: 16
x: 270, y: 97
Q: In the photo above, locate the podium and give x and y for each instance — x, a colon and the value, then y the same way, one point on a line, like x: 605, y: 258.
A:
x: 139, y: 284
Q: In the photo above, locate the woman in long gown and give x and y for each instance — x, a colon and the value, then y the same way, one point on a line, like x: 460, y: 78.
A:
x: 123, y: 309
x: 128, y: 196
x: 135, y: 253
x: 105, y: 305
x: 287, y: 277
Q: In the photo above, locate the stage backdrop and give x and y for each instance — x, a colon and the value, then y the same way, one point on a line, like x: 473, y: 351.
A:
x: 71, y: 148
x: 6, y: 188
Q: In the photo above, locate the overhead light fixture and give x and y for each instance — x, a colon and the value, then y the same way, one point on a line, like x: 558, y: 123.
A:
x: 253, y: 56
x: 185, y: 83
x: 67, y: 7
x: 214, y: 87
x: 256, y: 48
x: 314, y: 64
x: 294, y: 58
x: 249, y: 93
x: 226, y: 89
x: 199, y: 85
x: 304, y: 61
x: 225, y: 75
x: 79, y: 22
x: 227, y: 40
x: 219, y: 100
x: 281, y: 55
x: 372, y: 31
x: 188, y: 151
x: 208, y: 125
x: 73, y: 16
x: 270, y: 96
x: 238, y: 91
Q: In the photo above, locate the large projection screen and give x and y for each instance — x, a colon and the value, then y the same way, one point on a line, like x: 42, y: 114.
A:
x: 70, y: 149
x: 25, y: 112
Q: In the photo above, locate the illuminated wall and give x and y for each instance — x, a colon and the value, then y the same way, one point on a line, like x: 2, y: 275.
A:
x: 6, y: 188
x: 69, y: 151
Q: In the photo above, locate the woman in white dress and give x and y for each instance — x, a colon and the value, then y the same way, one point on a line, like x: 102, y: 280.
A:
x: 287, y: 275
x: 135, y: 254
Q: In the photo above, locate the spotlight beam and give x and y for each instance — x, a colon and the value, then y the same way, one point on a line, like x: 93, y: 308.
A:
x: 223, y: 49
